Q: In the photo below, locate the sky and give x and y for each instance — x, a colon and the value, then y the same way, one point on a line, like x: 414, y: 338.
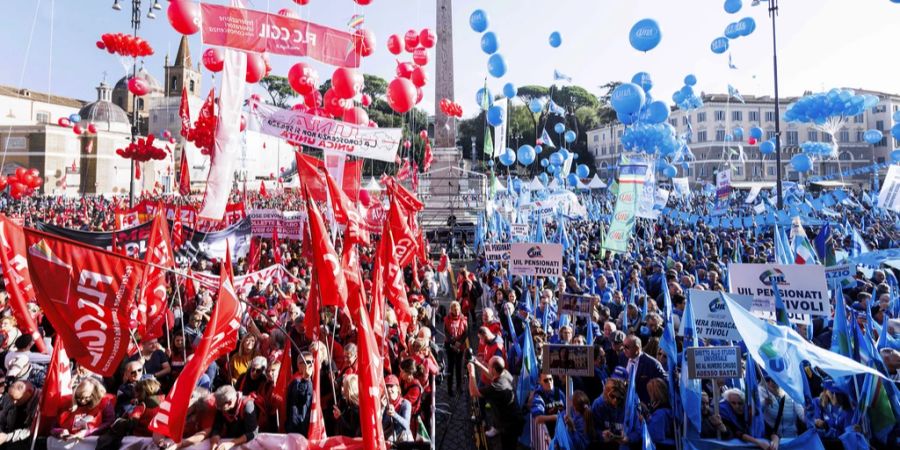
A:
x: 821, y: 43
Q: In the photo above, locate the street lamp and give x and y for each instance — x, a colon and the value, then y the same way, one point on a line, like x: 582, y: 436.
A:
x: 773, y: 13
x: 135, y: 26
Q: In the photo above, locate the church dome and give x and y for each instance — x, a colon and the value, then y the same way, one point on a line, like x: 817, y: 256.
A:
x: 155, y: 87
x: 105, y: 112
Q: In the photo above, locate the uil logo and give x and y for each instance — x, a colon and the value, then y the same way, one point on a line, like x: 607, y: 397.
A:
x: 771, y: 275
x: 622, y: 216
x: 534, y: 252
x: 772, y: 356
x: 716, y: 305
x: 626, y: 197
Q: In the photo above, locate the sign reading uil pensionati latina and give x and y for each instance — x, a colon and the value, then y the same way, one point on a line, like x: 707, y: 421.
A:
x: 532, y: 259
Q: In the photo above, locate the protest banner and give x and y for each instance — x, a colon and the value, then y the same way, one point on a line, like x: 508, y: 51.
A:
x: 529, y: 258
x: 889, y: 196
x: 631, y: 180
x: 561, y: 360
x: 578, y: 305
x: 244, y: 283
x: 836, y: 274
x: 682, y: 186
x: 334, y: 136
x: 711, y: 317
x: 289, y: 223
x: 260, y: 32
x: 723, y: 192
x: 714, y: 362
x: 519, y: 230
x: 497, y: 252
x: 802, y: 287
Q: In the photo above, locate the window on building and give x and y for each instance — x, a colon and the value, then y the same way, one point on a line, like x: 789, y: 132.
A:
x: 596, y: 138
x: 684, y: 120
x: 845, y: 156
x: 880, y: 160
x: 770, y: 134
x: 171, y: 117
x: 192, y: 87
x: 812, y: 135
x: 844, y: 136
x: 720, y: 135
x: 859, y: 135
x: 879, y: 125
x: 174, y: 84
x: 858, y: 118
x: 673, y: 122
x: 826, y: 137
x: 757, y: 171
x: 737, y: 116
x: 770, y: 116
x: 702, y: 171
x: 753, y: 116
x: 882, y: 142
x: 701, y: 117
x: 720, y: 115
x: 140, y: 104
x: 42, y: 117
x: 770, y: 171
x: 701, y: 136
x: 793, y: 137
x: 739, y: 170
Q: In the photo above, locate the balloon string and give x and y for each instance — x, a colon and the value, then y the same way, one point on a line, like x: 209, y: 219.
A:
x: 21, y: 79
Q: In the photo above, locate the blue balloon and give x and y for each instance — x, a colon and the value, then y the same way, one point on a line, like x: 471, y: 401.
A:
x: 555, y: 39
x: 565, y: 153
x: 559, y: 128
x: 746, y: 26
x: 490, y: 163
x: 509, y: 90
x: 497, y: 65
x: 738, y: 133
x: 645, y: 35
x: 719, y: 45
x: 572, y: 179
x: 480, y: 96
x: 895, y: 156
x: 526, y: 155
x: 643, y: 80
x: 690, y: 80
x: 669, y: 171
x: 489, y: 43
x: 626, y: 119
x: 575, y: 156
x: 543, y: 178
x: 538, y: 149
x: 767, y: 147
x: 544, y: 162
x: 801, y: 162
x: 896, y: 115
x: 478, y: 20
x: 553, y: 169
x: 556, y: 159
x: 729, y: 138
x: 74, y: 118
x: 583, y: 171
x: 517, y: 184
x: 508, y: 157
x: 657, y: 112
x: 873, y: 136
x: 733, y: 6
x: 570, y: 136
x: 732, y: 31
x: 496, y: 115
x: 627, y: 98
x: 895, y: 131
x: 756, y: 133
x: 535, y: 105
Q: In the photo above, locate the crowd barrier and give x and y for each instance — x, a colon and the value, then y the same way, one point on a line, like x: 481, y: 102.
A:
x: 264, y: 441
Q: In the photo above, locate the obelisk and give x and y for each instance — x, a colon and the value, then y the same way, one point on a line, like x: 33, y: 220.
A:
x: 444, y: 126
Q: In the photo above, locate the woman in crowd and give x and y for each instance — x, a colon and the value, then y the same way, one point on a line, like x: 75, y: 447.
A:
x: 91, y: 413
x: 397, y: 412
x: 581, y: 423
x: 241, y: 358
x: 456, y: 330
x: 346, y: 412
x: 609, y: 418
x: 661, y: 422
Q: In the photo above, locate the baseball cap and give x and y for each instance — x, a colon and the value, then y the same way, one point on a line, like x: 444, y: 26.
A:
x: 391, y: 380
x: 620, y: 373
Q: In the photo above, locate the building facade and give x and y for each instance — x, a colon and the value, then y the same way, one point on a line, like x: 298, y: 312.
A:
x: 720, y: 115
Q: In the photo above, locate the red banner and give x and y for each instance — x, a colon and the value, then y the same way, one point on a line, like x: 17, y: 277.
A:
x: 310, y: 170
x: 219, y: 338
x: 259, y: 32
x: 17, y: 279
x: 86, y: 294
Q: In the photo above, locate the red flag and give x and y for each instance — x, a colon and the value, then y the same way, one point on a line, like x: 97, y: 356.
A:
x: 394, y: 287
x: 190, y: 290
x: 310, y: 171
x: 305, y: 246
x: 17, y: 279
x: 208, y: 110
x: 152, y: 305
x: 276, y: 246
x: 346, y: 213
x: 177, y: 230
x: 262, y: 189
x: 58, y: 383
x: 316, y: 419
x: 86, y: 293
x: 311, y: 317
x: 185, y: 113
x: 219, y: 338
x: 330, y: 275
x: 370, y: 372
x: 285, y: 375
x: 405, y: 246
x: 229, y: 268
x: 406, y: 198
x: 253, y: 254
x: 184, y: 175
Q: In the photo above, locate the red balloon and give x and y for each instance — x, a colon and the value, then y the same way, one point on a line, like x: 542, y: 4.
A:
x: 20, y: 172
x: 38, y: 182
x: 213, y: 59
x: 373, y: 124
x: 77, y: 129
x: 364, y: 197
x: 287, y: 12
x: 409, y: 48
x: 301, y: 2
x: 427, y: 38
x: 419, y: 77
x: 299, y: 107
x: 28, y: 180
x: 101, y: 45
x: 394, y: 44
x: 33, y: 172
x: 405, y: 69
x: 334, y: 105
x: 363, y: 2
x: 3, y: 182
x: 366, y: 100
x: 303, y: 78
x: 346, y: 83
x: 751, y: 140
x: 420, y: 94
x: 313, y: 100
x: 64, y: 122
x: 16, y: 190
x: 364, y: 41
x: 138, y: 86
x: 172, y: 140
x: 411, y: 39
x: 184, y: 15
x: 356, y: 115
x: 167, y: 134
x: 401, y: 95
x: 92, y: 128
x: 243, y: 123
x: 423, y: 134
x: 420, y: 56
x: 256, y: 68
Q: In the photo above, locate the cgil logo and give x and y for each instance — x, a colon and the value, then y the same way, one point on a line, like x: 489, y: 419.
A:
x: 534, y: 252
x: 771, y: 275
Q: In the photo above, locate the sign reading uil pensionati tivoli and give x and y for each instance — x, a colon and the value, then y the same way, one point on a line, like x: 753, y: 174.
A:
x: 532, y: 259
x: 802, y: 288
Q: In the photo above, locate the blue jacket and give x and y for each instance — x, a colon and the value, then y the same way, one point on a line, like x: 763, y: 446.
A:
x: 661, y: 426
x: 299, y: 402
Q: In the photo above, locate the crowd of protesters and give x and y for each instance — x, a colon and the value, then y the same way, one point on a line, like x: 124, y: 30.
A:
x: 481, y: 333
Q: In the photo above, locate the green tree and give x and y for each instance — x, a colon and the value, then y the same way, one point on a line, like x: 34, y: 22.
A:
x: 279, y: 90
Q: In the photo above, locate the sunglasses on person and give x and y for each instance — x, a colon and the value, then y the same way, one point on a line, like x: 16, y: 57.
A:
x: 257, y: 369
x: 137, y: 371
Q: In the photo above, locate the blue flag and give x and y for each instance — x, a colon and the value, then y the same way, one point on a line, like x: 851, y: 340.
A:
x: 751, y: 382
x: 691, y: 393
x: 546, y: 140
x: 646, y: 440
x: 561, y: 440
x: 632, y: 418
